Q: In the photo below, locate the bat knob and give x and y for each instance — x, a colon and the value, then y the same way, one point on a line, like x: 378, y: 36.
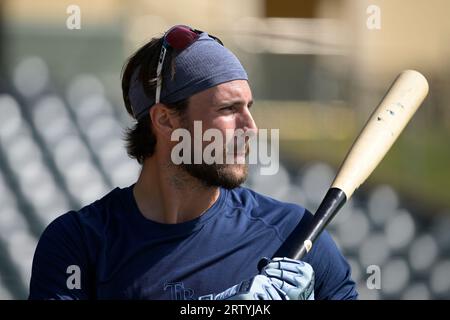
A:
x: 262, y: 263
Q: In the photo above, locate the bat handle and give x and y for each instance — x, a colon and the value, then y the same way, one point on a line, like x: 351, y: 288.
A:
x: 300, y: 241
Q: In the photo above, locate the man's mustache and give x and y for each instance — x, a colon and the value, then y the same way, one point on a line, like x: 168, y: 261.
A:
x: 237, y: 150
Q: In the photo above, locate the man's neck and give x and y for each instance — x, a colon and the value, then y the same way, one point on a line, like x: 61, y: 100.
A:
x: 166, y: 194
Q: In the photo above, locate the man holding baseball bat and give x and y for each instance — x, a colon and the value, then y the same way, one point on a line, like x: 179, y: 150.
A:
x: 185, y: 231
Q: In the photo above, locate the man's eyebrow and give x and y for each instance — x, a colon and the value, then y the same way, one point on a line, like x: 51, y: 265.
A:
x: 232, y: 102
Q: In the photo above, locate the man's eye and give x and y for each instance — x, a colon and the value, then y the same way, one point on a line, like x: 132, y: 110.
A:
x: 230, y: 108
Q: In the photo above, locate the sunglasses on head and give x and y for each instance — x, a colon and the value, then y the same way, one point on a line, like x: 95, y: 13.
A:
x: 178, y: 38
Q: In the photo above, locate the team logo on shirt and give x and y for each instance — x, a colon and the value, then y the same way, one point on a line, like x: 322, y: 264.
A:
x: 178, y: 291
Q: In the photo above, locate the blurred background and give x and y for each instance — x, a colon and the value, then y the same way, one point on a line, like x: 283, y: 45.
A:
x: 317, y: 70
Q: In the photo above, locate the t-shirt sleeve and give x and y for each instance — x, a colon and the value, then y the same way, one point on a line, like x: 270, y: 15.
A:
x: 61, y: 268
x: 332, y: 271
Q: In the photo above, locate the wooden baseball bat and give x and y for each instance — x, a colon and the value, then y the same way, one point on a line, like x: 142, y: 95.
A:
x: 384, y: 126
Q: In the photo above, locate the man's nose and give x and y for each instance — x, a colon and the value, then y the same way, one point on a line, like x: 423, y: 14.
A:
x: 247, y: 122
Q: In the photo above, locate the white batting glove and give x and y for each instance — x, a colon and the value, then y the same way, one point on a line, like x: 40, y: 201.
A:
x: 294, y: 277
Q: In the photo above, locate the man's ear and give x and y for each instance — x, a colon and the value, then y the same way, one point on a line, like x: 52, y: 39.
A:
x: 163, y: 119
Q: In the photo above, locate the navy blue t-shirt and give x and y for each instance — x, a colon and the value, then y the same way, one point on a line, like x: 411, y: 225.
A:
x: 117, y: 253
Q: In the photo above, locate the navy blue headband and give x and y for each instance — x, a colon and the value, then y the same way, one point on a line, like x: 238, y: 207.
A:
x: 202, y: 65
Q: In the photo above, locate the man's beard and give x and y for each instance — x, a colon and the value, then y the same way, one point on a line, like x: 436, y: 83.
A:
x: 228, y: 176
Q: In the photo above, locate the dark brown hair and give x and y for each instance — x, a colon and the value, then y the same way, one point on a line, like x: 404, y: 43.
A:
x: 140, y: 139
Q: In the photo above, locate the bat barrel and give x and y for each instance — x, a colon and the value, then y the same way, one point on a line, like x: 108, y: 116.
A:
x: 388, y: 120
